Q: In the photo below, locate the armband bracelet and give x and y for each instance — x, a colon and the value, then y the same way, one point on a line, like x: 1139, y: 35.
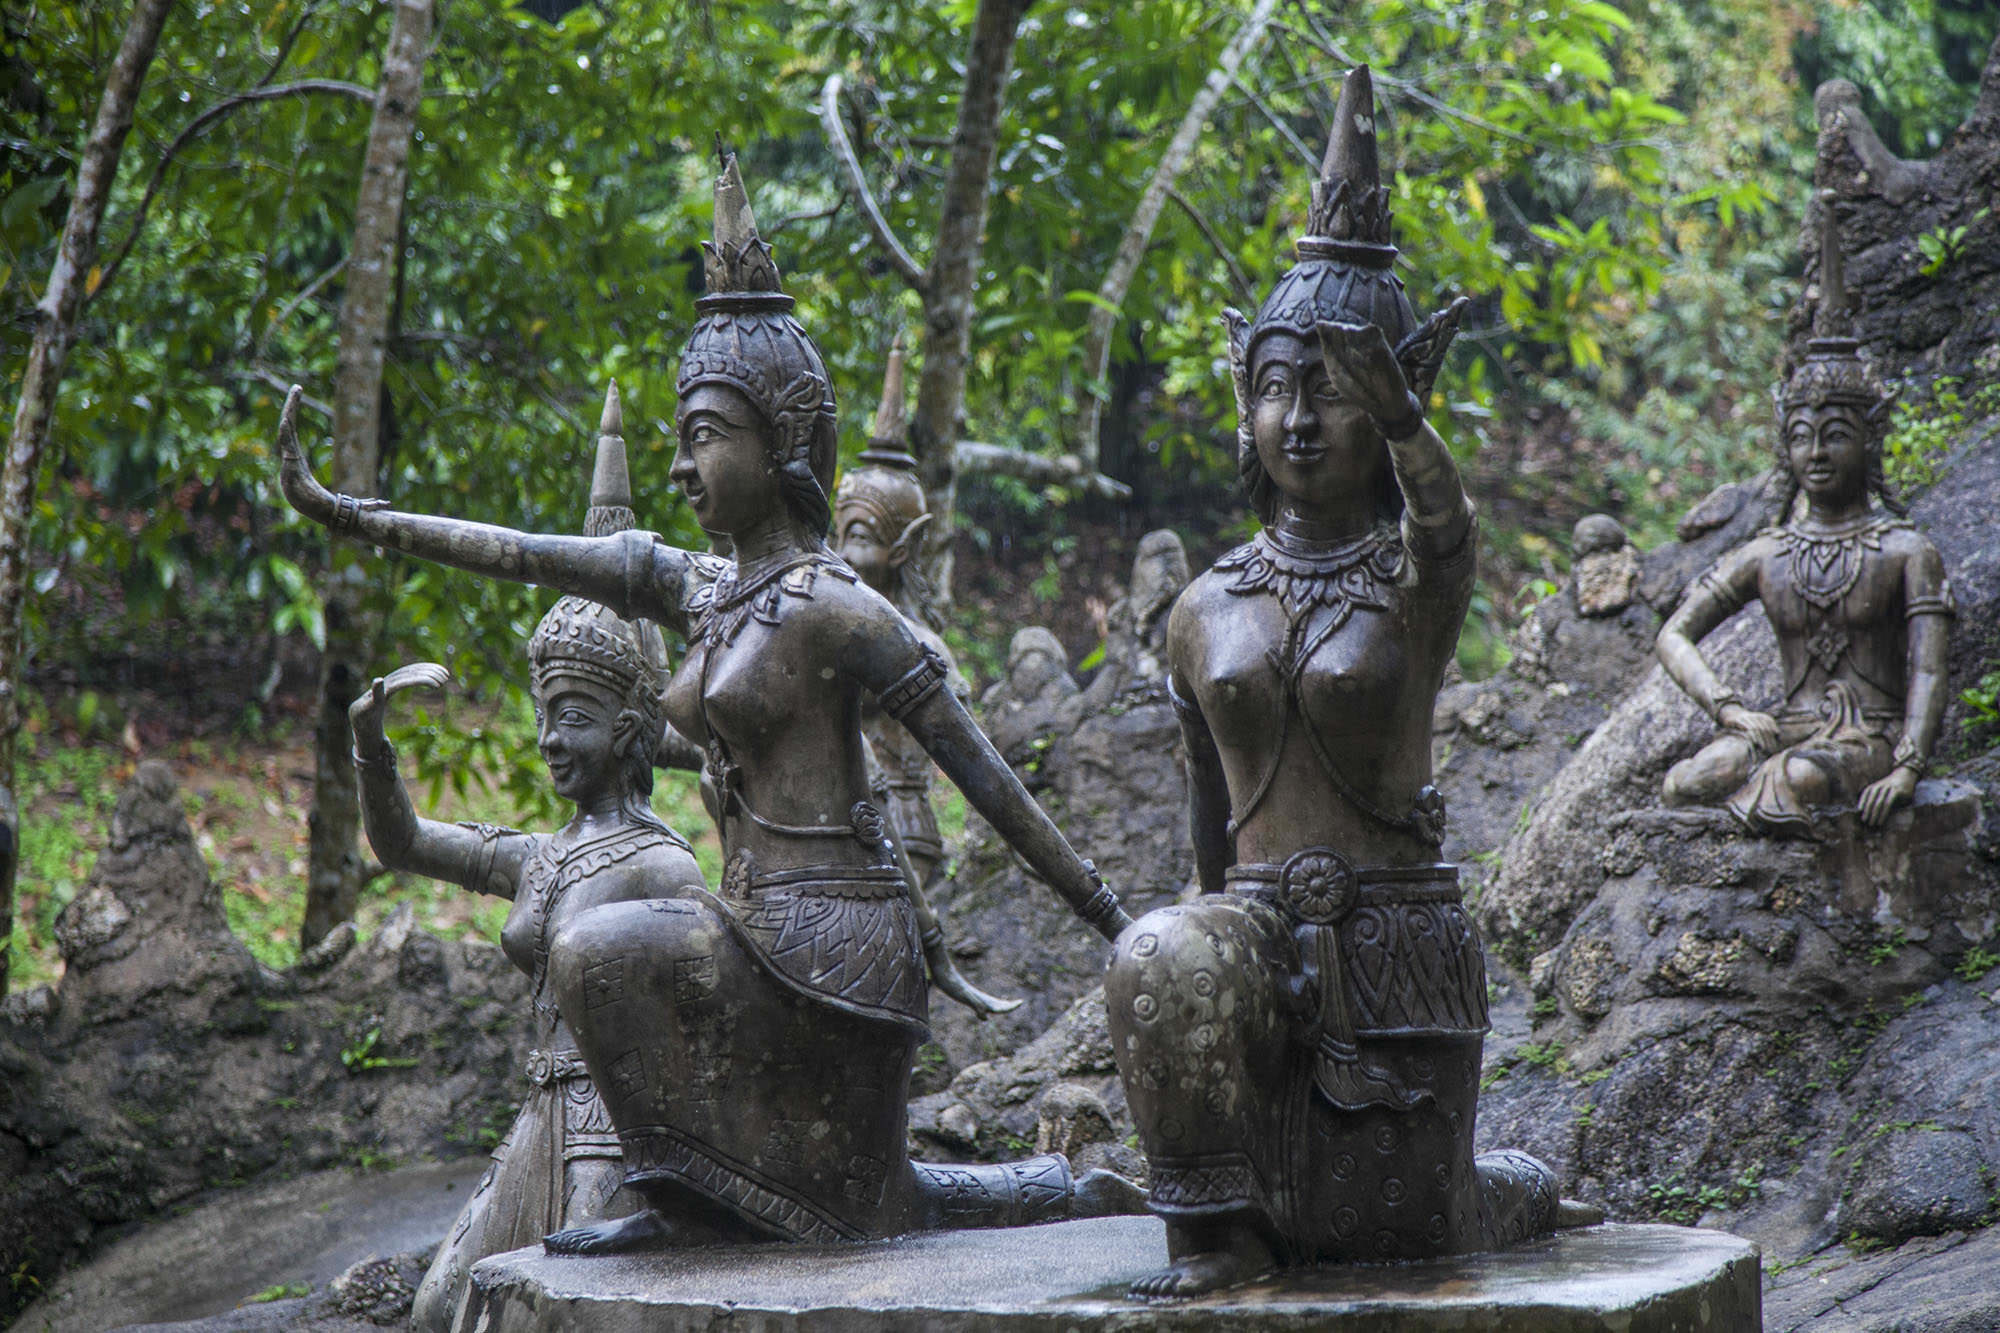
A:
x: 346, y: 514
x: 919, y: 683
x: 1907, y: 755
x: 1722, y: 699
x: 382, y: 763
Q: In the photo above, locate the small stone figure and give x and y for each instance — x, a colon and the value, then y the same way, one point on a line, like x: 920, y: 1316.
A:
x: 1607, y: 566
x: 1134, y: 669
x: 879, y: 517
x: 597, y: 683
x: 1301, y: 1046
x: 1037, y: 696
x: 1857, y: 597
x: 755, y: 1047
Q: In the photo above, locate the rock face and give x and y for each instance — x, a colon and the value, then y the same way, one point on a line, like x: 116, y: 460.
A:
x: 1912, y: 322
x: 169, y: 1061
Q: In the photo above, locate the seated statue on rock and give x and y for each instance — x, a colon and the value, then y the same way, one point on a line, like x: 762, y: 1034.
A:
x: 879, y: 519
x: 754, y: 1047
x: 598, y: 682
x: 1134, y: 670
x: 1856, y: 595
x: 1301, y: 1045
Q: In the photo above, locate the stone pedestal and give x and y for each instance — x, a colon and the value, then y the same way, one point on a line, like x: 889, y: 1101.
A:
x: 1071, y: 1277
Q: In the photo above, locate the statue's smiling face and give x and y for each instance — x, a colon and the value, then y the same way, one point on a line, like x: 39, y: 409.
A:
x: 1314, y: 445
x: 1827, y: 447
x: 577, y: 730
x: 864, y: 548
x: 723, y: 464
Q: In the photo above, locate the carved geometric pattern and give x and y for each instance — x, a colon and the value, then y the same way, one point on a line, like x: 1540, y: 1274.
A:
x: 694, y: 978
x: 1219, y: 1183
x: 657, y: 1150
x: 604, y: 982
x: 1828, y: 644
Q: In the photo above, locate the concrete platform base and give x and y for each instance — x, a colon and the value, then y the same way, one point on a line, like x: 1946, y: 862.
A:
x: 1071, y: 1277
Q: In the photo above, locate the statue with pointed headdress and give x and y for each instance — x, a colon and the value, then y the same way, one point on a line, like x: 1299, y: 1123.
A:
x: 879, y: 518
x: 597, y: 682
x: 1301, y: 1045
x: 754, y: 1047
x: 1857, y: 597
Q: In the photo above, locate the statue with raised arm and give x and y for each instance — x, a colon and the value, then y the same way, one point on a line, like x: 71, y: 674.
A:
x: 598, y: 682
x: 754, y: 1048
x: 1856, y: 595
x: 879, y: 518
x: 1301, y: 1045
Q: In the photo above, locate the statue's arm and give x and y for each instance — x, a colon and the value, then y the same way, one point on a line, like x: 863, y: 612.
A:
x: 1208, y: 790
x: 633, y: 573
x: 677, y: 751
x: 910, y: 679
x: 1719, y: 593
x: 1927, y: 601
x: 480, y: 857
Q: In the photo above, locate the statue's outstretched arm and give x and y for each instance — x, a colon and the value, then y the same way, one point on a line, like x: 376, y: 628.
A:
x: 484, y: 859
x: 633, y: 573
x: 911, y: 681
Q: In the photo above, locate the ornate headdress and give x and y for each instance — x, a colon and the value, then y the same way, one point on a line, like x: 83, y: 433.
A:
x: 746, y: 338
x: 1345, y: 271
x: 582, y: 638
x: 1833, y: 370
x: 885, y: 490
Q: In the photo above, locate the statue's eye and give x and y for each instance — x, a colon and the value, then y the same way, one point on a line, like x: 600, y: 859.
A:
x: 1324, y: 392
x: 574, y: 717
x: 1276, y: 386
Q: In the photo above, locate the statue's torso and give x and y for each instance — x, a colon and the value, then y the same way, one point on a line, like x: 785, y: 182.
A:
x: 1837, y: 606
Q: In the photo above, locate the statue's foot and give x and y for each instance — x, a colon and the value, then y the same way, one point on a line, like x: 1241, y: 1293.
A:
x: 1207, y: 1256
x: 646, y: 1229
x: 1576, y: 1213
x: 1193, y: 1274
x: 1105, y: 1194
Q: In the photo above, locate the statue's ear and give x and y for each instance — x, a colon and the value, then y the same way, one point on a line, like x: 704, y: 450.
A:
x: 1422, y: 353
x: 907, y: 544
x: 624, y: 731
x: 1239, y: 369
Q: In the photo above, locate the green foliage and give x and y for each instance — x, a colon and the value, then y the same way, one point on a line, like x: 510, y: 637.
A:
x: 359, y: 1056
x: 1926, y: 428
x: 1978, y: 961
x: 283, y: 1291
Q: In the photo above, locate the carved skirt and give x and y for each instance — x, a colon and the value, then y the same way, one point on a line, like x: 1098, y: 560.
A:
x: 756, y: 1054
x: 1305, y: 1050
x: 558, y: 1167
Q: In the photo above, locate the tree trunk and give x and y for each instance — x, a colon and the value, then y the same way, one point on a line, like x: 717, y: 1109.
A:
x: 334, y: 870
x: 954, y: 272
x: 55, y: 335
x: 1103, y: 320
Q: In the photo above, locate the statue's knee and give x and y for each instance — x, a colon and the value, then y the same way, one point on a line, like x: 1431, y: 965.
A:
x: 1808, y: 781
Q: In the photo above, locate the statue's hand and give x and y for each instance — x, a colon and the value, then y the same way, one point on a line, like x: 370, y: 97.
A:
x: 1365, y: 371
x: 1885, y: 795
x: 365, y: 713
x: 302, y: 489
x: 1760, y: 729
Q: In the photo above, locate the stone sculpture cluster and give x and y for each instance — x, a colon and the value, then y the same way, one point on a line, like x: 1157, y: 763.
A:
x: 1301, y: 1046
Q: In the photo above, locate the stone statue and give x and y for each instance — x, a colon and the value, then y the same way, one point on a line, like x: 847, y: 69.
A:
x: 1135, y: 629
x: 879, y: 517
x: 1856, y: 595
x: 1301, y: 1045
x: 1036, y: 696
x: 598, y: 682
x: 754, y: 1048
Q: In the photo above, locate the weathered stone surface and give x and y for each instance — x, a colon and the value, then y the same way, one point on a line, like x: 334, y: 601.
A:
x: 1939, y: 1284
x: 322, y: 1230
x: 1070, y: 1277
x: 169, y: 1062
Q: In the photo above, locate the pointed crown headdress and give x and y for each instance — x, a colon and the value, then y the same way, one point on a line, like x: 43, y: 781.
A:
x: 1833, y: 370
x: 585, y: 639
x: 884, y: 485
x: 746, y: 338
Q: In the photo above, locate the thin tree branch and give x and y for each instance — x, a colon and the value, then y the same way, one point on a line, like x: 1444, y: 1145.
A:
x: 285, y: 46
x: 282, y: 383
x: 302, y: 88
x: 971, y: 456
x: 305, y: 293
x: 836, y: 134
x: 1245, y: 289
x: 1326, y: 45
x: 810, y: 215
x: 1299, y: 145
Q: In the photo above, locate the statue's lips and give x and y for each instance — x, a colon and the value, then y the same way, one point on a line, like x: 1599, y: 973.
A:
x: 1298, y: 451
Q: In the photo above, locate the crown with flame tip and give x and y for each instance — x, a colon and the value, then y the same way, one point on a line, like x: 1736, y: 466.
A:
x: 1833, y: 370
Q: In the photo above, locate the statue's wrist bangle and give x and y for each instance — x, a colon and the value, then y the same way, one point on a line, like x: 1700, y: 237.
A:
x: 346, y: 514
x: 1908, y: 756
x: 384, y: 762
x: 1723, y: 699
x: 1406, y: 427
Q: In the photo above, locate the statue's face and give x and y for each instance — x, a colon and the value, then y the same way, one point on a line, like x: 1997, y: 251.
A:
x: 1827, y: 446
x: 723, y: 464
x: 1315, y: 446
x: 865, y: 550
x: 577, y: 731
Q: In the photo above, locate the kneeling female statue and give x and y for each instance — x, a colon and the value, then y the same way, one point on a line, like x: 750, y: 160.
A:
x: 1301, y: 1046
x: 754, y: 1047
x: 598, y: 683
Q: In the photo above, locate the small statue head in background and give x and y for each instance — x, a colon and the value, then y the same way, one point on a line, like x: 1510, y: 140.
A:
x: 880, y: 513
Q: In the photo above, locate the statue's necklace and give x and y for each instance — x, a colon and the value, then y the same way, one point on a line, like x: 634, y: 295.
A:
x: 721, y: 609
x: 1305, y: 576
x: 1826, y: 563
